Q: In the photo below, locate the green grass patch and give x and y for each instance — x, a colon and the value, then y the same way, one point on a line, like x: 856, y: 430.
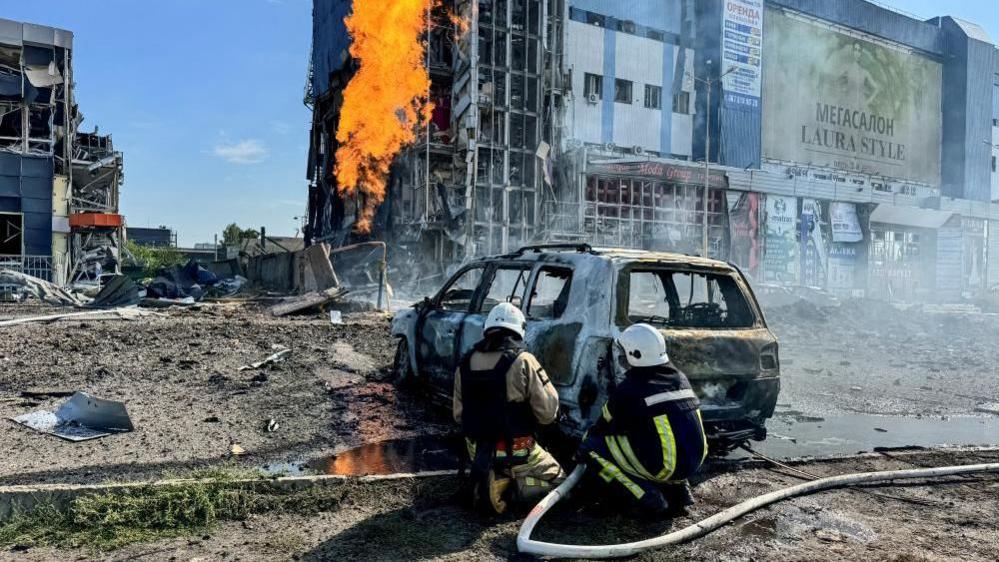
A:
x: 108, y: 521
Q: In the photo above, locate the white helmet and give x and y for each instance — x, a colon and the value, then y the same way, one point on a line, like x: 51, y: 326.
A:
x: 507, y: 316
x: 644, y: 346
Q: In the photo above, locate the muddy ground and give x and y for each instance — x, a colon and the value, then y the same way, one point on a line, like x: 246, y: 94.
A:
x: 954, y: 519
x: 179, y: 376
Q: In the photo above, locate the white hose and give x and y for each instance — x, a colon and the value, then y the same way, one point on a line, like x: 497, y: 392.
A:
x: 528, y: 546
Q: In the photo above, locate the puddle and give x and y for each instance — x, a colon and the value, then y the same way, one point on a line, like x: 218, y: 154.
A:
x: 422, y: 454
x: 849, y: 434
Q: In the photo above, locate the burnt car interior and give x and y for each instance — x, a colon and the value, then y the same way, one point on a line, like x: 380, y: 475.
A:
x: 687, y: 299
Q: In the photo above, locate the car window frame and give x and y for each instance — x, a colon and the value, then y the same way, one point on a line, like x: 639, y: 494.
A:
x: 533, y: 282
x: 622, y: 319
x: 439, y: 298
x: 487, y: 282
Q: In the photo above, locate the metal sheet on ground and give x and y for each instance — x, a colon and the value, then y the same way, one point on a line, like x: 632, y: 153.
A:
x: 81, y: 418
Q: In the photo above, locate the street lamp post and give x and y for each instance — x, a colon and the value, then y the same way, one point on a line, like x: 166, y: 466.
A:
x: 709, y: 84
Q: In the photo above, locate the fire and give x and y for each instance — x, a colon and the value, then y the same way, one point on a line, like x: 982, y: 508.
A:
x: 385, y: 101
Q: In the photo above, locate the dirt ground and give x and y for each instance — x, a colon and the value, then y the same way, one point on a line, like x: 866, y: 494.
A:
x: 953, y: 519
x: 179, y: 377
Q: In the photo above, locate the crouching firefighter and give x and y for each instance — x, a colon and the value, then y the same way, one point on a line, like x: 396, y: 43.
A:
x: 650, y: 436
x: 501, y: 396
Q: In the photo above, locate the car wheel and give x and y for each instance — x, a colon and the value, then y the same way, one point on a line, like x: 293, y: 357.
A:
x: 402, y: 368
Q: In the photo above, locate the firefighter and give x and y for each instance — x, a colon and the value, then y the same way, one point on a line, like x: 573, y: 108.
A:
x: 502, y: 395
x: 650, y: 436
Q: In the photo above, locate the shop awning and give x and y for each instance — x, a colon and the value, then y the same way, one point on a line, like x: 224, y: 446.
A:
x: 912, y: 217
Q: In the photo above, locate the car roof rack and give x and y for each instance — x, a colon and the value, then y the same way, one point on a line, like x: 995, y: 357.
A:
x: 581, y: 247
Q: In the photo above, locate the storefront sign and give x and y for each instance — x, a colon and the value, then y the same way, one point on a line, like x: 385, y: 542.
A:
x: 690, y: 175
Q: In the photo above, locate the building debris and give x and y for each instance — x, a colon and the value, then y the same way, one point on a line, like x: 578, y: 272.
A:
x: 281, y: 355
x: 307, y: 301
x: 40, y: 289
x: 81, y: 418
x: 124, y: 313
x: 988, y: 408
x: 119, y: 291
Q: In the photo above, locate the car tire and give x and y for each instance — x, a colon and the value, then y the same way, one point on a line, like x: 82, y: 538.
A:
x: 402, y: 368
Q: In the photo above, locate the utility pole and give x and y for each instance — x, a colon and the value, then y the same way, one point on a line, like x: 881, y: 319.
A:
x: 709, y: 83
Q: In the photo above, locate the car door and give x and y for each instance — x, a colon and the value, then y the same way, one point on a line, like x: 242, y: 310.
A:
x: 551, y: 332
x: 438, y: 330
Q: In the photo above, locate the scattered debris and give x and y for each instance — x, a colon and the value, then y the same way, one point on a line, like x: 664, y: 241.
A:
x: 307, y: 301
x: 126, y: 313
x: 46, y: 393
x: 271, y: 426
x: 167, y: 303
x: 236, y: 450
x: 336, y: 317
x: 988, y: 408
x: 41, y: 289
x: 281, y: 355
x: 119, y: 291
x: 880, y: 430
x: 80, y: 418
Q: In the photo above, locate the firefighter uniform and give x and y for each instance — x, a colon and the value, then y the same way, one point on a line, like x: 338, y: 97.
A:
x: 650, y: 435
x: 501, y: 396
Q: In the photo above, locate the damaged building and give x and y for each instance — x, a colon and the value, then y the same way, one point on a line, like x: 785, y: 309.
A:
x: 59, y: 186
x: 849, y: 147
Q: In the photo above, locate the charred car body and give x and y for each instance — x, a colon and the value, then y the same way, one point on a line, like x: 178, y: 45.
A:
x: 577, y: 300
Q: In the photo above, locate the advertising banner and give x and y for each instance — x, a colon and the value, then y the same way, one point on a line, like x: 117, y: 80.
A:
x: 742, y: 48
x: 842, y: 265
x: 840, y: 101
x: 813, y: 244
x: 845, y: 223
x: 744, y: 222
x: 780, y: 260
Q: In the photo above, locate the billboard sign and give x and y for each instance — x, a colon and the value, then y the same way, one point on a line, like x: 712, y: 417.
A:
x: 742, y: 49
x: 840, y: 101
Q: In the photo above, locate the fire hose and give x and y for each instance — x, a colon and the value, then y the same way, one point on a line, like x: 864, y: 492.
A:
x: 701, y: 528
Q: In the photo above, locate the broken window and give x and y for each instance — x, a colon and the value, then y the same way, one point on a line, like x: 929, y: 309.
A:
x: 622, y: 91
x: 518, y: 134
x: 518, y: 51
x: 518, y: 87
x: 499, y: 170
x: 516, y: 168
x: 459, y: 292
x: 499, y: 49
x: 11, y: 234
x: 507, y: 285
x: 653, y: 97
x: 532, y: 55
x: 684, y: 299
x: 500, y: 13
x: 485, y: 12
x: 593, y: 85
x: 681, y: 103
x: 534, y: 18
x: 518, y: 19
x: 550, y: 295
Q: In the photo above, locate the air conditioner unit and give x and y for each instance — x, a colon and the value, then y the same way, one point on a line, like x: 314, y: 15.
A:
x: 637, y: 150
x: 593, y: 99
x: 610, y: 147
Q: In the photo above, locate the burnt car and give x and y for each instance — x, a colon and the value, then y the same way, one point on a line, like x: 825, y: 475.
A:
x: 577, y: 300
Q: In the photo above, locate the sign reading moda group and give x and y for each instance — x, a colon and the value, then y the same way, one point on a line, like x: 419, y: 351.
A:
x: 742, y: 46
x: 690, y: 175
x: 832, y: 100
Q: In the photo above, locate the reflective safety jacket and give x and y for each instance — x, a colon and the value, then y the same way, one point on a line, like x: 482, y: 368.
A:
x: 502, y: 394
x: 652, y: 426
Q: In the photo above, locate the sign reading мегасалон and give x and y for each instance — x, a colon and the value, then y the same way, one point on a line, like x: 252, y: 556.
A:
x: 853, y: 131
x: 842, y: 101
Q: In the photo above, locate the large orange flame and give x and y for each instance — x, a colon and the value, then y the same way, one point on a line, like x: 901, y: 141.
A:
x: 385, y: 101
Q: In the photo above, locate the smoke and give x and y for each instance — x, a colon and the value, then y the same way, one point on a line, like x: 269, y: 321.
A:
x: 385, y: 101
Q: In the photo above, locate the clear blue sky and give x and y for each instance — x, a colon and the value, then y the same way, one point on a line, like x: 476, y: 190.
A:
x: 204, y: 97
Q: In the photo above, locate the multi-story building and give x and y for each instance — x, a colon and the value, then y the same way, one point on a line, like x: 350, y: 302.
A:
x: 58, y: 186
x: 848, y: 146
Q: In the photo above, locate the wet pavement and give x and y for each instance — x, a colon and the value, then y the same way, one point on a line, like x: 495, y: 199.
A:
x: 843, y: 434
